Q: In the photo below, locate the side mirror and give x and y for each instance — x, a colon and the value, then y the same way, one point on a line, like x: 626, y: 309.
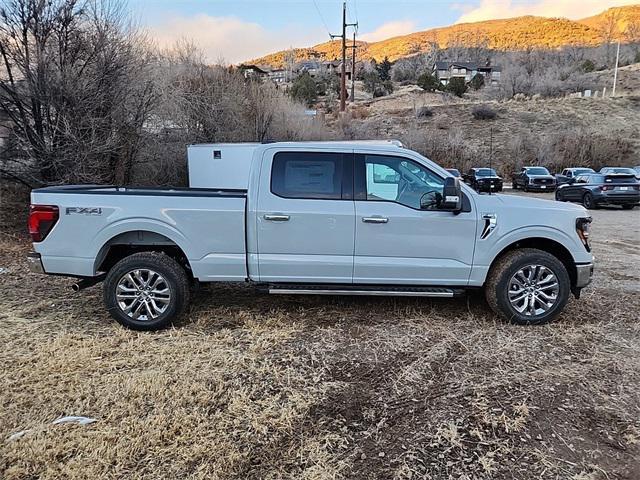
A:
x: 451, y: 195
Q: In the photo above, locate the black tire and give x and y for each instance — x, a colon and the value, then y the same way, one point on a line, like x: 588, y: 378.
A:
x: 514, y: 185
x: 174, y: 277
x: 588, y: 202
x: 497, y: 285
x: 559, y: 197
x: 628, y: 207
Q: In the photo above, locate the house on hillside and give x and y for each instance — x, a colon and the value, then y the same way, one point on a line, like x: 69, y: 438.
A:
x: 278, y: 75
x: 312, y: 67
x: 445, y: 71
x: 253, y: 72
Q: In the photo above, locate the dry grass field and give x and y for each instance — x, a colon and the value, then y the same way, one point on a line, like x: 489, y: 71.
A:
x: 259, y: 387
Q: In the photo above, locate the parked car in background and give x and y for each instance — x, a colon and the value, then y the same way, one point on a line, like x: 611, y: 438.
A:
x: 620, y: 170
x: 569, y: 173
x: 483, y: 180
x: 325, y: 218
x: 598, y: 189
x: 534, y: 178
x: 454, y: 171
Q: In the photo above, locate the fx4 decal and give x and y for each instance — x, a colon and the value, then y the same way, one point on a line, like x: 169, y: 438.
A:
x: 84, y: 211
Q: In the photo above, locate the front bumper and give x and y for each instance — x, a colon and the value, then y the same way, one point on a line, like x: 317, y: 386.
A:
x: 35, y: 262
x: 486, y: 187
x: 584, y: 275
x: 548, y: 187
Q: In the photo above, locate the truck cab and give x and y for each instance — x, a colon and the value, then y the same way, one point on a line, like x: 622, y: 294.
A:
x: 331, y: 218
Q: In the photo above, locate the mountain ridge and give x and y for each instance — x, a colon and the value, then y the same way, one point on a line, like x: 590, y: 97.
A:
x: 517, y: 33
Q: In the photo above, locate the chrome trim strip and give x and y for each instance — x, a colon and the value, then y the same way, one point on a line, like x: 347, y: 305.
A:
x: 375, y: 293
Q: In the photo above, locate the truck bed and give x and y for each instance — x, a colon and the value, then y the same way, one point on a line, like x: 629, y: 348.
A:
x: 207, y: 225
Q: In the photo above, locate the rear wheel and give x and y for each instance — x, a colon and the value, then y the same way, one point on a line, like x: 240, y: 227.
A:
x: 559, y: 197
x: 588, y: 202
x: 146, y: 291
x: 528, y: 287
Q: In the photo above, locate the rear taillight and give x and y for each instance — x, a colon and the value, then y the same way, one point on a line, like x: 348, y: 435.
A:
x: 42, y: 218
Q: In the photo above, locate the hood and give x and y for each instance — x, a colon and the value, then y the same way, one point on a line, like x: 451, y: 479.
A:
x: 524, y: 203
x: 550, y: 177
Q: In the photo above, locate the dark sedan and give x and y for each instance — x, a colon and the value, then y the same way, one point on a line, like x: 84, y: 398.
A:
x: 483, y: 180
x: 597, y: 189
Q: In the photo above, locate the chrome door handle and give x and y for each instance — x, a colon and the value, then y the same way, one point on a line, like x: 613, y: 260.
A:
x: 276, y: 217
x: 375, y: 220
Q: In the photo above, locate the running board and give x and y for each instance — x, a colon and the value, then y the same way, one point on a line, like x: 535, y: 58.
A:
x: 395, y: 291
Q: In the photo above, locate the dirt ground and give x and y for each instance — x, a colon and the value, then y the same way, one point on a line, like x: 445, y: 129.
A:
x: 253, y: 387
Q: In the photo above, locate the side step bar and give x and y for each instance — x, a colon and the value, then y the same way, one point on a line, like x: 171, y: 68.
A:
x: 393, y: 291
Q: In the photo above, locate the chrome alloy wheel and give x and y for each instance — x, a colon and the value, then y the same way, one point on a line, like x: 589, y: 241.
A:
x: 533, y: 290
x: 143, y: 294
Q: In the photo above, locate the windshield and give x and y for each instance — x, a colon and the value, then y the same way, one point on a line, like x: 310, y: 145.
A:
x: 537, y: 171
x: 628, y: 171
x: 486, y: 172
x: 580, y: 171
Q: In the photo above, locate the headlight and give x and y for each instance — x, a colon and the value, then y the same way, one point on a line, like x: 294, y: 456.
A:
x: 583, y: 229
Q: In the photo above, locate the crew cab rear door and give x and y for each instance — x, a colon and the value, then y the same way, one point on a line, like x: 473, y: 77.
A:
x: 305, y: 217
x: 396, y: 241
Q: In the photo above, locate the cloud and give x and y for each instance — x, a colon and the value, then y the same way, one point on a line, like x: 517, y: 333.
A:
x: 230, y: 38
x: 574, y: 9
x: 389, y: 29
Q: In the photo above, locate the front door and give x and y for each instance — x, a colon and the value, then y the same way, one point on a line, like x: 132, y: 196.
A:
x: 400, y: 237
x: 305, y: 217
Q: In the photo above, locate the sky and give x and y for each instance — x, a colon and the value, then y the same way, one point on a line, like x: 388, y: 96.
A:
x: 232, y: 31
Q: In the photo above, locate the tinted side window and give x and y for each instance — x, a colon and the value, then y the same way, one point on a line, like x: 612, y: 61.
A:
x: 307, y: 175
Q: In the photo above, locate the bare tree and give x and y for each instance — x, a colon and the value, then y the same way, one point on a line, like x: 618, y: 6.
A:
x: 72, y: 81
x: 632, y: 37
x: 609, y: 32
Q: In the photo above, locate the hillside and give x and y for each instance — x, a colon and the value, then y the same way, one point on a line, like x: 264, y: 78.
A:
x: 507, y: 34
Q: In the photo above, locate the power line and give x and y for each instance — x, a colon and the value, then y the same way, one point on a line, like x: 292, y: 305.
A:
x: 322, y: 18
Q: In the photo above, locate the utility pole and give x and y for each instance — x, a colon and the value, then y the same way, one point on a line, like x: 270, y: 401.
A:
x: 354, y: 47
x: 615, y: 72
x: 343, y: 69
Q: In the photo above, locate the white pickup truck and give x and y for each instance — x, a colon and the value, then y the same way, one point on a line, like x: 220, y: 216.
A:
x: 349, y: 218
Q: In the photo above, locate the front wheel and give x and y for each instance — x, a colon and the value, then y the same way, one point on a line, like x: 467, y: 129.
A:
x: 528, y: 287
x: 146, y: 291
x: 559, y: 197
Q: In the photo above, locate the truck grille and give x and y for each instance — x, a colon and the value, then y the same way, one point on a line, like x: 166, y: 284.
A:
x: 542, y: 181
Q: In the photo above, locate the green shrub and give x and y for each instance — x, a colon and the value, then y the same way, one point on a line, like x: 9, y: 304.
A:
x: 588, y: 66
x: 457, y: 86
x: 428, y: 82
x: 477, y: 82
x: 304, y: 89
